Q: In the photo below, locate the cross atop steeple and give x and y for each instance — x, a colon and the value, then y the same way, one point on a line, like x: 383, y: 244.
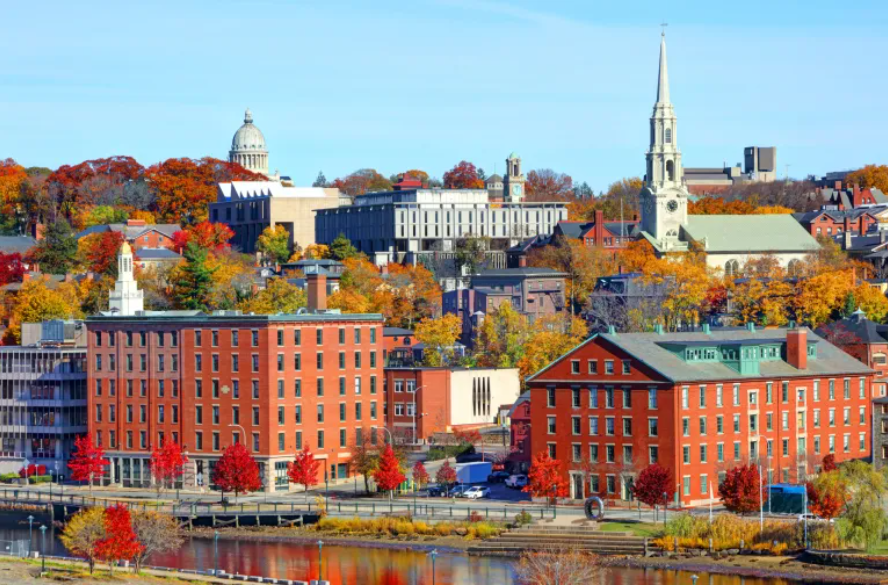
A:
x: 663, y: 25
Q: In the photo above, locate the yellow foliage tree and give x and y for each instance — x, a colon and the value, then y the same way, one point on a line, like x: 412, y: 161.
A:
x: 279, y: 296
x: 36, y: 302
x: 550, y: 339
x: 82, y: 534
x: 817, y: 297
x: 501, y: 339
x: 869, y: 176
x: 439, y: 335
x: 316, y: 252
x: 349, y: 301
x: 685, y: 282
x: 274, y: 243
x: 871, y: 301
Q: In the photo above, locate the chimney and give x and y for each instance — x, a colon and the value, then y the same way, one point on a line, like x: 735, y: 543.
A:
x: 847, y: 226
x: 846, y: 240
x: 837, y: 186
x: 797, y: 348
x: 317, y: 291
x: 522, y: 261
x: 39, y: 230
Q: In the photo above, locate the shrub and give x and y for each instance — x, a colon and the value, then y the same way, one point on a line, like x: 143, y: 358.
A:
x: 727, y: 531
x: 475, y: 516
x: 823, y: 536
x: 523, y: 517
x: 40, y: 479
x: 9, y: 477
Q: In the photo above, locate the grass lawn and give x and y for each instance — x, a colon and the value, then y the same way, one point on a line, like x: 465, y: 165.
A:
x: 645, y: 529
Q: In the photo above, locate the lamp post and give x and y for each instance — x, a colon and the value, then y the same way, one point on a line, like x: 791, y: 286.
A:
x: 391, y: 436
x: 43, y: 548
x: 30, y: 533
x: 694, y: 579
x: 433, y: 555
x: 215, y: 553
x: 415, y: 392
x: 665, y: 506
x: 320, y: 560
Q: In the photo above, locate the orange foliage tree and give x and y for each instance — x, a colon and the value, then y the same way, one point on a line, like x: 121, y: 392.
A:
x: 362, y: 181
x: 463, y: 176
x: 869, y: 176
x: 547, y: 185
x: 185, y: 187
x: 206, y: 234
x: 828, y: 494
x: 544, y: 480
x: 98, y: 252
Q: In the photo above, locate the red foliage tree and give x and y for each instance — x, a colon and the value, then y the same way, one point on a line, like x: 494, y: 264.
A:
x: 32, y: 470
x: 72, y: 186
x: 101, y: 253
x: 237, y: 471
x: 828, y: 494
x: 362, y: 181
x: 420, y: 475
x: 547, y: 185
x: 741, y: 490
x: 463, y: 176
x: 120, y: 542
x: 88, y: 460
x: 206, y: 234
x: 654, y: 481
x: 446, y: 474
x: 304, y: 470
x: 11, y: 268
x: 167, y: 464
x: 544, y: 479
x: 388, y: 474
x: 829, y: 463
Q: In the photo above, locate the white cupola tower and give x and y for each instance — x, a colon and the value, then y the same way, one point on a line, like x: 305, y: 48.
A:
x: 126, y: 298
x: 664, y: 198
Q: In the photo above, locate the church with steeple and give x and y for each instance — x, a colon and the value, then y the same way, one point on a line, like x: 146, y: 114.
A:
x: 728, y: 240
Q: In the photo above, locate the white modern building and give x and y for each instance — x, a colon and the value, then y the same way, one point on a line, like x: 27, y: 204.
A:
x: 397, y: 226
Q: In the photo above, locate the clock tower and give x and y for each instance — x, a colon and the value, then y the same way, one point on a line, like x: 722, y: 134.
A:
x: 664, y: 198
x: 513, y: 182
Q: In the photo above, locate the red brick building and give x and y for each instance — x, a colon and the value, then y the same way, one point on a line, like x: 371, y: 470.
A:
x: 139, y: 233
x: 439, y: 400
x: 865, y: 340
x: 830, y: 223
x: 275, y: 382
x: 606, y: 234
x: 397, y: 346
x: 699, y: 404
x: 519, y: 444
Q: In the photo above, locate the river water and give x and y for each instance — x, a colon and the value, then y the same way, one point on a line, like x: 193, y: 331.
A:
x: 349, y: 565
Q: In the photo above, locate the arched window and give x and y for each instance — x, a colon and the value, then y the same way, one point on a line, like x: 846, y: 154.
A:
x: 794, y: 267
x: 670, y: 171
x: 668, y: 135
x: 732, y: 268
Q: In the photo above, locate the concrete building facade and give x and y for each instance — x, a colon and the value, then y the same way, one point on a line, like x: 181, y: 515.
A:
x: 248, y: 207
x: 406, y: 225
x: 43, y: 405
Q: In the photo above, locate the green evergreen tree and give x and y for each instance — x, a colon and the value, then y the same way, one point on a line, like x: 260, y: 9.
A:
x: 321, y: 181
x: 341, y: 248
x: 57, y: 251
x: 194, y: 285
x: 850, y: 305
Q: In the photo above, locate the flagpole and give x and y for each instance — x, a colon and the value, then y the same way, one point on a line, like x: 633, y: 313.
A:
x: 761, y: 504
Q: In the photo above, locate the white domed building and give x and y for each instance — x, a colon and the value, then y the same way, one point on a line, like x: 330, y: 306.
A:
x: 248, y: 148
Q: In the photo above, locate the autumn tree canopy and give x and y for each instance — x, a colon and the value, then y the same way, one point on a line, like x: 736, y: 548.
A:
x: 547, y: 185
x: 463, y: 176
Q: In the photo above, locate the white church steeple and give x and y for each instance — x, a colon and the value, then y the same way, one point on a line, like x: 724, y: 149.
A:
x: 126, y: 298
x: 664, y: 197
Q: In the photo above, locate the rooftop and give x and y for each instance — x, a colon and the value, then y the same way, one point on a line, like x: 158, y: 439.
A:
x: 750, y: 233
x: 221, y: 316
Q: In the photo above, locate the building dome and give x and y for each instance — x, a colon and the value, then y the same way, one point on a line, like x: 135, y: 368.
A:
x: 248, y: 147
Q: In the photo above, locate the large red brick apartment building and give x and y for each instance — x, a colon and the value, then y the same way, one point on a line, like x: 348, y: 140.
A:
x: 699, y: 404
x: 205, y: 381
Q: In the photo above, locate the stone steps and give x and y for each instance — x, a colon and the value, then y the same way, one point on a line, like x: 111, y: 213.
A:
x: 540, y: 538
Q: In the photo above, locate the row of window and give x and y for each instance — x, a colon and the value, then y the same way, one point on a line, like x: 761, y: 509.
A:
x: 281, y: 414
x: 753, y: 395
x: 143, y: 362
x: 610, y: 396
x: 143, y: 413
x: 233, y: 337
x: 162, y: 386
x: 592, y: 367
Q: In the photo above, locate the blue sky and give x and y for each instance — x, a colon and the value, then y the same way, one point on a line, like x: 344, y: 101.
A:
x: 338, y: 85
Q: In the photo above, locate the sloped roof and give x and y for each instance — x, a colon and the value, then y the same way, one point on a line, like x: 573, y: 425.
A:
x: 647, y: 348
x: 131, y: 232
x: 392, y: 331
x: 750, y: 233
x: 156, y: 254
x: 859, y: 326
x: 19, y: 244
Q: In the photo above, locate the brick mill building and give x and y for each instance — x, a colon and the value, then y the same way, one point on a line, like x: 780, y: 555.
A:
x: 699, y: 403
x: 206, y: 380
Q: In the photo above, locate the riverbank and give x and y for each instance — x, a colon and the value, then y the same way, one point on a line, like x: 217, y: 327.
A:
x: 455, y: 544
x: 753, y: 566
x: 15, y: 571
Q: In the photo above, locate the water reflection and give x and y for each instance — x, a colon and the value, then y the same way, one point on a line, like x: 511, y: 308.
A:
x: 346, y: 565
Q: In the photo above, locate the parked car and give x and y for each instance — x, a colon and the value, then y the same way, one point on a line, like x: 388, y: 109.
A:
x: 498, y: 476
x: 459, y: 491
x: 477, y: 491
x: 516, y: 481
x: 813, y: 518
x: 437, y: 491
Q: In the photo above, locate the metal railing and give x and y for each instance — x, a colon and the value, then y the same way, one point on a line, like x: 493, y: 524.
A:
x: 398, y: 507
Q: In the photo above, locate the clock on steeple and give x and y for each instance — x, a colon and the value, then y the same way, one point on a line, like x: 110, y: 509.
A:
x: 513, y: 182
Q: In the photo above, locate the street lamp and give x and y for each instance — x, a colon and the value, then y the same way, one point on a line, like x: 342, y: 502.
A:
x: 320, y: 560
x: 433, y: 555
x: 694, y: 579
x: 43, y: 548
x: 215, y: 553
x: 415, y: 392
x: 242, y: 430
x: 665, y: 506
x: 391, y: 436
x: 30, y: 533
